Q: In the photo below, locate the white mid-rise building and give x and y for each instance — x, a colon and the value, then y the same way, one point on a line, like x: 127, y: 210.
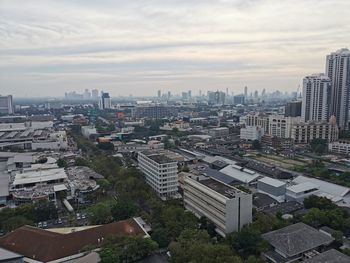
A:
x: 316, y: 97
x: 251, y: 133
x: 6, y: 104
x: 339, y: 147
x: 160, y: 172
x: 88, y: 130
x: 227, y: 207
x: 306, y: 132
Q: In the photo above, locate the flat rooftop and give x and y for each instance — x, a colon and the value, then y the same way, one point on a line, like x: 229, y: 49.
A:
x: 220, y: 188
x: 39, y: 176
x: 271, y: 181
x: 161, y: 159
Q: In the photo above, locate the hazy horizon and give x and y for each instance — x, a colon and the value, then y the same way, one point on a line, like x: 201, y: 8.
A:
x: 48, y: 48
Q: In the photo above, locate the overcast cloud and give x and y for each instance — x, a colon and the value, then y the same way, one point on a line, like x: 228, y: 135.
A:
x: 137, y: 47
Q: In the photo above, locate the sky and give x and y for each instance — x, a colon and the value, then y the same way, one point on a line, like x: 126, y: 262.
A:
x: 133, y: 47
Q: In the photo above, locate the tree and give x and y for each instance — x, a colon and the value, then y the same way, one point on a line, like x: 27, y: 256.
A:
x: 161, y: 236
x: 318, y: 146
x: 123, y: 210
x: 196, y: 246
x: 314, y: 201
x: 256, y: 145
x: 248, y: 241
x: 62, y: 163
x: 101, y: 213
x: 107, y: 146
x: 15, y: 222
x: 45, y: 210
x: 316, y: 217
x: 126, y: 248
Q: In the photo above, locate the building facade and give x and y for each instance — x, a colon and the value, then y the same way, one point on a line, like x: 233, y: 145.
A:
x: 316, y: 98
x: 160, y: 173
x: 338, y: 70
x: 155, y: 112
x: 105, y: 101
x: 303, y: 133
x: 293, y: 109
x: 6, y: 104
x: 227, y: 207
x: 251, y: 133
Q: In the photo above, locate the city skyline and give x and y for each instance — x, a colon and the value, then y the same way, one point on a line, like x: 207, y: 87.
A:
x: 48, y: 48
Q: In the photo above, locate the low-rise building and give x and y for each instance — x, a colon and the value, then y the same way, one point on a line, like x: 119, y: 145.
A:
x: 294, y: 242
x: 227, y: 207
x: 339, y: 147
x: 241, y: 174
x: 272, y: 187
x: 301, y: 191
x: 66, y: 245
x: 219, y: 132
x: 87, y: 131
x: 251, y: 133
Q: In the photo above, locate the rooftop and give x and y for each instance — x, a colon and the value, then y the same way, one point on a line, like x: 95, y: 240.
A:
x: 160, y: 158
x: 240, y: 174
x: 295, y: 239
x: 8, y: 256
x: 302, y: 187
x: 39, y: 176
x: 330, y: 256
x: 220, y: 187
x: 47, y: 246
x: 272, y: 182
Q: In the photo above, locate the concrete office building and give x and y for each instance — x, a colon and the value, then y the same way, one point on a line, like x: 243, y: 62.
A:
x: 338, y: 70
x: 316, y: 98
x: 293, y: 109
x: 105, y: 101
x: 160, y: 172
x: 6, y: 104
x: 227, y: 207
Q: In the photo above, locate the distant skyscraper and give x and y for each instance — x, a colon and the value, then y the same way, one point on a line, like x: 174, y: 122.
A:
x: 159, y: 94
x: 338, y: 70
x: 246, y: 92
x: 87, y: 94
x: 256, y: 94
x: 316, y: 94
x: 105, y: 101
x: 189, y: 94
x: 217, y: 97
x: 94, y: 94
x: 184, y: 95
x: 239, y: 99
x: 263, y: 93
x: 6, y: 104
x: 169, y: 94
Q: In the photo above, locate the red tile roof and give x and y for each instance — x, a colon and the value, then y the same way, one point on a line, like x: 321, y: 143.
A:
x: 43, y: 245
